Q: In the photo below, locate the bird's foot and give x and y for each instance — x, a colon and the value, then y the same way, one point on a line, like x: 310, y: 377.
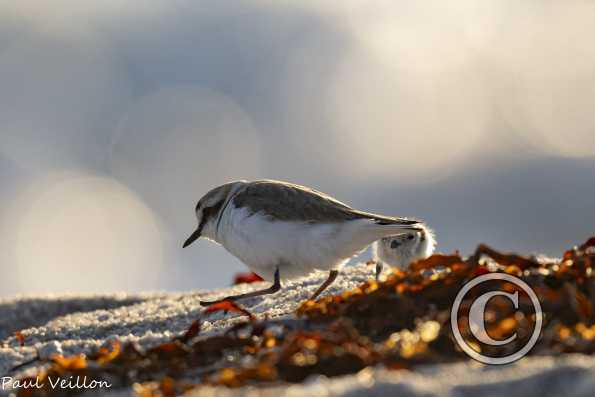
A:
x: 210, y: 303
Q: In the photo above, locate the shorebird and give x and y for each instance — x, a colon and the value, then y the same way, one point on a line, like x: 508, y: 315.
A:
x: 403, y: 249
x: 282, y: 230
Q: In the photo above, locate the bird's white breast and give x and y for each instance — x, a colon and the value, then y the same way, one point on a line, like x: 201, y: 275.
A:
x: 298, y: 248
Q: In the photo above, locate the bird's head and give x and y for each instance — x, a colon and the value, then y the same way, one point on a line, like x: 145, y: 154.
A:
x: 402, y: 249
x: 208, y: 210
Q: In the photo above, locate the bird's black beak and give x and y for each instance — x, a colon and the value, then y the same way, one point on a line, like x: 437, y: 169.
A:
x: 193, y: 237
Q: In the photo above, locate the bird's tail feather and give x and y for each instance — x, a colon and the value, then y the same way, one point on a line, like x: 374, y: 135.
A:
x: 386, y: 220
x: 396, y: 221
x: 384, y: 227
x: 369, y: 230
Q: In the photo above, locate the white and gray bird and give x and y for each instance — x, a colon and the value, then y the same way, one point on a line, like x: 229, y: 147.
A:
x: 403, y: 249
x: 282, y: 230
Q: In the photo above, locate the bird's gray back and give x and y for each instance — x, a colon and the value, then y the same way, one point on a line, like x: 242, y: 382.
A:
x: 289, y: 202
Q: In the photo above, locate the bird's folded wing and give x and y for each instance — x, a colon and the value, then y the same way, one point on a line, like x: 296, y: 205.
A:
x: 288, y: 202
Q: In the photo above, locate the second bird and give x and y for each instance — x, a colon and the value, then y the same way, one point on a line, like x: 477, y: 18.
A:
x: 282, y: 230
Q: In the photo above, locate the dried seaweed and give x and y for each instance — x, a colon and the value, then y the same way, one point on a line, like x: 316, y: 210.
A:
x: 20, y: 338
x: 400, y: 323
x: 229, y: 306
x: 246, y: 278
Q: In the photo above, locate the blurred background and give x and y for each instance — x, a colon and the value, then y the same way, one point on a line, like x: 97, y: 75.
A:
x: 116, y: 116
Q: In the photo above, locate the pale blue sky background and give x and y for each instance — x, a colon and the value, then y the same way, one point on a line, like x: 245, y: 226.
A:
x: 115, y: 117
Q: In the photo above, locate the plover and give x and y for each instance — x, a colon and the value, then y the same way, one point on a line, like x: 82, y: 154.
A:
x: 282, y: 230
x: 402, y: 249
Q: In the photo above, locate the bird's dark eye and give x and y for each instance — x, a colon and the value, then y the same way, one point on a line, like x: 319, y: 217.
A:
x: 212, y: 210
x: 410, y: 237
x: 394, y: 244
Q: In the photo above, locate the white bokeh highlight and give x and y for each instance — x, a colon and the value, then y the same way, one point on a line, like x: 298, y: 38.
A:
x: 83, y: 233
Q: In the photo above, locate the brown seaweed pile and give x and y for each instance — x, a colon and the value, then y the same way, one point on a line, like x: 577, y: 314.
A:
x: 399, y: 323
